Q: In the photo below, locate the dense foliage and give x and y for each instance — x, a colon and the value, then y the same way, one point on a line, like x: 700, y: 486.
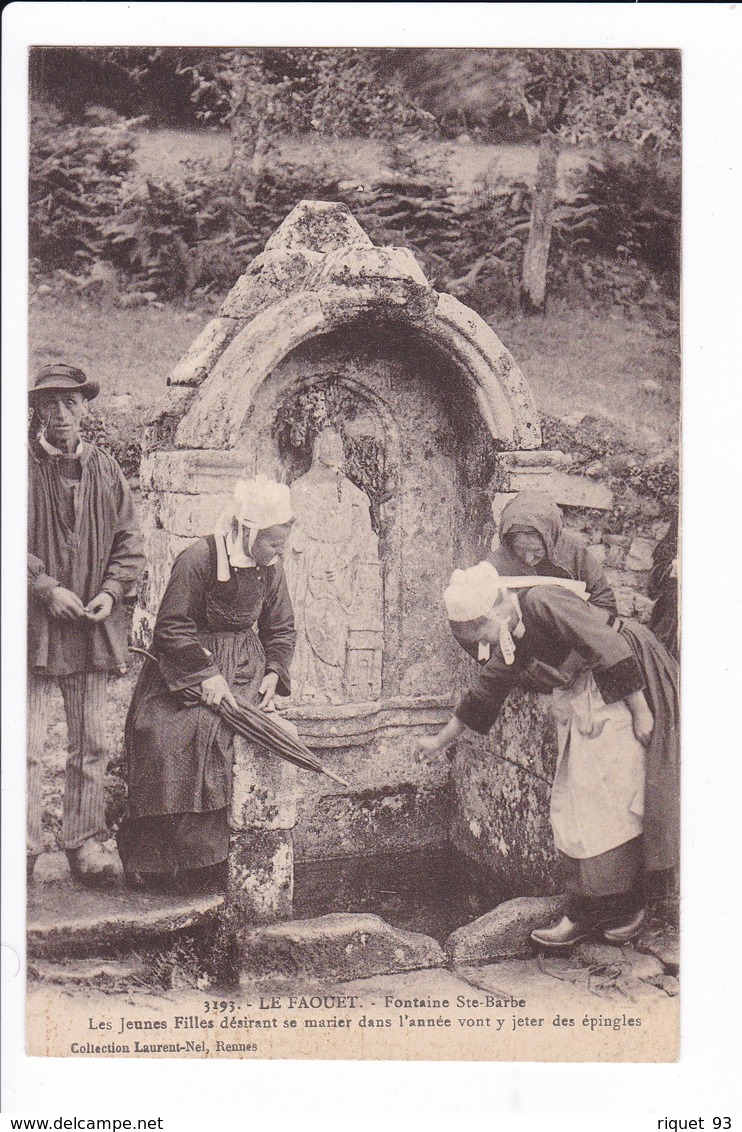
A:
x: 76, y: 182
x: 96, y: 228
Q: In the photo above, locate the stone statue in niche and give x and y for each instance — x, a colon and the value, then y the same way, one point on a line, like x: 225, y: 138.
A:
x: 332, y: 570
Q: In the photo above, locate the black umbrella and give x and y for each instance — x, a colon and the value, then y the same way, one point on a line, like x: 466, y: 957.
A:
x: 257, y: 725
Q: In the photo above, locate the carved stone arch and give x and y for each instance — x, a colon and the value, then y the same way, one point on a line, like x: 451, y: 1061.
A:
x: 215, y: 417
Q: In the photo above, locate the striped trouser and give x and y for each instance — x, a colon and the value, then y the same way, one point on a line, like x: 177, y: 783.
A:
x: 84, y: 806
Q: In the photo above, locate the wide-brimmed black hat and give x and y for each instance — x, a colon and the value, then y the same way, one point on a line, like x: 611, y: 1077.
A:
x: 61, y: 376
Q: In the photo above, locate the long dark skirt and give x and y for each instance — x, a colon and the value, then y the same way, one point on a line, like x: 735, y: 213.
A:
x: 605, y: 886
x: 661, y: 836
x: 174, y: 843
x: 180, y: 765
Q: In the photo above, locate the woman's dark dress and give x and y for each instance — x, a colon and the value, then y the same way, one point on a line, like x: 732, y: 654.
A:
x: 179, y: 757
x: 624, y: 657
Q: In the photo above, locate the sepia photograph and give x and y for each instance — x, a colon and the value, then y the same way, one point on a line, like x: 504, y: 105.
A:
x: 353, y: 420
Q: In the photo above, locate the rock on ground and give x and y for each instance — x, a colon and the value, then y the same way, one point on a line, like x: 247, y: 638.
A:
x: 342, y: 945
x: 503, y: 933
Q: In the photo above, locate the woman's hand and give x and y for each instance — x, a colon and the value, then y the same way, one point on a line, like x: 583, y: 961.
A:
x: 641, y: 716
x: 429, y: 743
x: 447, y: 734
x: 216, y: 689
x: 267, y: 691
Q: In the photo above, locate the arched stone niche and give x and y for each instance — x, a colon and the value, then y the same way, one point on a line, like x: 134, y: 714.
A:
x: 326, y: 329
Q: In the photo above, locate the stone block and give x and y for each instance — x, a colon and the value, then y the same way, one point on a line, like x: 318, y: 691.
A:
x: 165, y: 408
x: 615, y: 556
x: 161, y: 550
x: 640, y: 554
x: 599, y: 553
x: 338, y: 946
x: 265, y: 789
x: 271, y: 277
x: 66, y: 919
x: 568, y: 490
x: 616, y: 577
x: 398, y: 795
x: 318, y: 226
x: 199, y: 358
x: 662, y: 941
x: 191, y: 516
x: 617, y: 540
x: 500, y: 806
x: 502, y: 391
x: 370, y: 265
x: 261, y: 874
x: 388, y: 819
x: 500, y: 501
x: 643, y: 607
x: 548, y: 457
x: 503, y: 933
x: 215, y: 418
x: 195, y: 471
x: 667, y: 983
x: 95, y: 974
x: 51, y: 868
x: 531, y: 479
x: 624, y: 600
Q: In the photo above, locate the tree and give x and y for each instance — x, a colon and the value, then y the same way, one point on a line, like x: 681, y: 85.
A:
x: 581, y: 96
x: 265, y: 93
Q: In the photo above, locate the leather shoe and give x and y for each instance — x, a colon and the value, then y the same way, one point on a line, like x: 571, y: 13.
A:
x: 564, y: 934
x: 95, y: 865
x: 626, y: 931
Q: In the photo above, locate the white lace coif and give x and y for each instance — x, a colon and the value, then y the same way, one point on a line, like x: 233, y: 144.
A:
x: 472, y: 593
x: 257, y: 504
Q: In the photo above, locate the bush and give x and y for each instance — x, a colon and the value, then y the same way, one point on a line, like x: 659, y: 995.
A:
x: 76, y: 174
x: 637, y: 200
x: 642, y: 486
x: 114, y: 436
x: 621, y: 228
x: 615, y: 239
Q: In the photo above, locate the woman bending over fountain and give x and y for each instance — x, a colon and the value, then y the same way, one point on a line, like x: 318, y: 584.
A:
x: 615, y: 799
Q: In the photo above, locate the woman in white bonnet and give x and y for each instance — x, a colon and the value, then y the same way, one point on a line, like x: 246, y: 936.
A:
x: 615, y: 798
x: 180, y: 757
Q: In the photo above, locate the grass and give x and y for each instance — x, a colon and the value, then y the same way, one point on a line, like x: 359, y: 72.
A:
x: 129, y: 352
x: 574, y: 361
x: 162, y: 153
x: 581, y: 362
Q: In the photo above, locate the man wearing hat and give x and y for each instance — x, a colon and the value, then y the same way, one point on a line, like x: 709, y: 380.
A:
x: 84, y: 556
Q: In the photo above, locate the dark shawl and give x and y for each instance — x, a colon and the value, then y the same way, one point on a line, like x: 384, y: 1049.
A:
x: 566, y: 554
x: 101, y: 552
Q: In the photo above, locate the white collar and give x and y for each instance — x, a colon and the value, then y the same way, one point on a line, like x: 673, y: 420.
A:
x: 236, y: 553
x: 52, y: 451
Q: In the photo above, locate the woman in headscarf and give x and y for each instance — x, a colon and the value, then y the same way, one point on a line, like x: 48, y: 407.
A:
x: 534, y: 541
x: 615, y: 799
x: 180, y: 757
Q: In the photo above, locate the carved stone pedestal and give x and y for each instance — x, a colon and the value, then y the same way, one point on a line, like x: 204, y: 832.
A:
x: 261, y: 851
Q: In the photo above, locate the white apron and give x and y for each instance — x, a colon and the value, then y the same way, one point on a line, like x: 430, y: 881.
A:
x: 597, y: 799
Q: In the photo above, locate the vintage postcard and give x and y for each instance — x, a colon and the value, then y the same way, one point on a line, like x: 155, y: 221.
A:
x: 353, y: 431
x: 353, y: 518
